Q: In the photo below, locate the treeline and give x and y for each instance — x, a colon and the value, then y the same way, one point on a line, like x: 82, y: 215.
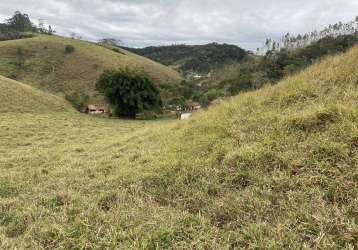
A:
x: 20, y: 26
x: 278, y: 64
x: 193, y: 58
x: 257, y: 71
x: 289, y: 41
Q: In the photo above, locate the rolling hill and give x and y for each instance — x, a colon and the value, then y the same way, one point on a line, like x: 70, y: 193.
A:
x: 62, y: 65
x: 188, y: 59
x: 16, y: 97
x: 274, y: 168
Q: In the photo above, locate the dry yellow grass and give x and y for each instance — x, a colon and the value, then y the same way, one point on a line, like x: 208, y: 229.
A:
x: 17, y: 97
x: 270, y: 169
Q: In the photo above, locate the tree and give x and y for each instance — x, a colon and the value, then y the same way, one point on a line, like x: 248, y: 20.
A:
x: 50, y: 30
x: 21, y: 22
x: 20, y: 26
x: 111, y: 41
x: 75, y: 36
x: 130, y: 92
x: 213, y: 94
x: 41, y: 26
x: 42, y: 29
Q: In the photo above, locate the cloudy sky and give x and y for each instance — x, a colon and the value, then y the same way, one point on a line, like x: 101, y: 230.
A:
x: 155, y: 22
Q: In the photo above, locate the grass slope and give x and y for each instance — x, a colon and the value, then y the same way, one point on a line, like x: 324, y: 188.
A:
x: 43, y: 62
x: 16, y: 97
x: 271, y: 169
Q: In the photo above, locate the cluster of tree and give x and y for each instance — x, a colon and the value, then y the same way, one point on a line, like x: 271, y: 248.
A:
x: 290, y: 42
x: 193, y: 58
x: 43, y: 29
x: 20, y: 26
x: 280, y: 63
x: 177, y: 94
x: 130, y: 92
x: 110, y: 42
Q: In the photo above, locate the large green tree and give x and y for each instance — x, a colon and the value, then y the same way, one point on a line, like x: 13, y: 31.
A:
x: 21, y: 23
x: 130, y: 92
x: 16, y: 27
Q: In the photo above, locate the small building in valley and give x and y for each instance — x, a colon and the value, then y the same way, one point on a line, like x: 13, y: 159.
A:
x: 189, y: 108
x: 184, y: 116
x: 98, y: 109
x: 192, y: 106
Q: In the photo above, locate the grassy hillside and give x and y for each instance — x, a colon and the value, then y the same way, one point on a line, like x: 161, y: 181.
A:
x: 44, y: 61
x: 270, y: 169
x: 16, y: 97
x: 193, y: 58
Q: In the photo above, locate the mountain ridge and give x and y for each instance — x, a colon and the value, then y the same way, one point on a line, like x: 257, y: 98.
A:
x: 187, y: 59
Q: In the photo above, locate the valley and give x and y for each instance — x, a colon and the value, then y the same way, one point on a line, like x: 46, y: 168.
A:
x: 266, y: 159
x: 74, y: 181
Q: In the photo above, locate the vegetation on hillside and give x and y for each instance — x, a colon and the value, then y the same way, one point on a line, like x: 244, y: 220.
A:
x: 67, y: 67
x: 20, y: 26
x: 257, y: 71
x: 254, y: 72
x: 232, y: 70
x: 71, y: 67
x: 130, y: 92
x: 193, y: 58
x: 291, y: 42
x: 179, y: 93
x: 269, y: 169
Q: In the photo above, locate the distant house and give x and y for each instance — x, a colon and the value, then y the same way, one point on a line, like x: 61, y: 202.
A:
x: 184, y: 116
x: 187, y: 111
x: 197, y: 76
x: 98, y: 109
x: 192, y: 106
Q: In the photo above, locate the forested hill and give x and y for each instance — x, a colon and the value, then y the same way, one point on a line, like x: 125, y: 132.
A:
x: 193, y: 58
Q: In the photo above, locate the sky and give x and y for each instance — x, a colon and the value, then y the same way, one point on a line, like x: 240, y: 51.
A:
x: 140, y: 23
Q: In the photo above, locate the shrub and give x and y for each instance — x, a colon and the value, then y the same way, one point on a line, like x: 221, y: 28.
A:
x: 20, y: 52
x: 17, y: 227
x: 213, y: 94
x: 69, y: 49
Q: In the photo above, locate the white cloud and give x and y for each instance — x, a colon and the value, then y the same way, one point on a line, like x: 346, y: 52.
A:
x: 141, y: 23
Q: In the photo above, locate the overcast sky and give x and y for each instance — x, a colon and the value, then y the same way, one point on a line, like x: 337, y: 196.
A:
x: 155, y: 22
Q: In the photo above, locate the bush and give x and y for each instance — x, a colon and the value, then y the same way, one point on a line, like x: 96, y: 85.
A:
x: 213, y: 94
x: 130, y: 92
x: 69, y: 49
